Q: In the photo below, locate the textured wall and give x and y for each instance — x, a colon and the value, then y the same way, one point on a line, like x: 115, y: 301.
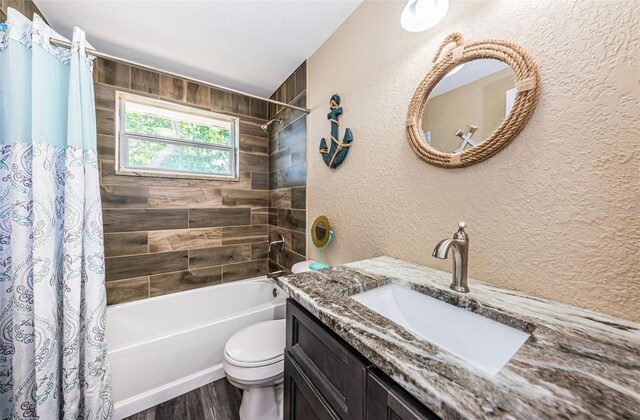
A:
x: 556, y: 214
x: 288, y: 172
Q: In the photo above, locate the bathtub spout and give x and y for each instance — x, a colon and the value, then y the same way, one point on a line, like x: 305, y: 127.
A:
x: 275, y: 274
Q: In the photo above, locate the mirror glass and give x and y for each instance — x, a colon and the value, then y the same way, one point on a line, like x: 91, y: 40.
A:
x: 468, y: 104
x: 321, y: 230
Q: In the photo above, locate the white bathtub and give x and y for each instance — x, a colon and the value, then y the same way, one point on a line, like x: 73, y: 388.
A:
x: 165, y: 346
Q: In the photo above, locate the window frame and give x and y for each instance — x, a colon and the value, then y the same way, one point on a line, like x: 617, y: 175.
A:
x: 122, y: 140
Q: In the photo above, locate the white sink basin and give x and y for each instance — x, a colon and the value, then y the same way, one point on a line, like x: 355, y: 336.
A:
x: 482, y: 342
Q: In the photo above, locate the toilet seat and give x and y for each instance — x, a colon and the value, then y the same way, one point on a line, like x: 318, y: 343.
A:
x: 244, y: 378
x: 258, y: 344
x: 255, y: 355
x: 254, y: 362
x: 240, y: 363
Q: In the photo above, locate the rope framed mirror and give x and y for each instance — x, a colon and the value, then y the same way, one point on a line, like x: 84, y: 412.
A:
x: 487, y: 88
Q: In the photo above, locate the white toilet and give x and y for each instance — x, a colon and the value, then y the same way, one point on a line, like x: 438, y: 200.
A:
x: 302, y: 267
x: 254, y: 362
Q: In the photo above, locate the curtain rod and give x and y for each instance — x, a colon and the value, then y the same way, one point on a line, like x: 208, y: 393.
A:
x: 91, y: 51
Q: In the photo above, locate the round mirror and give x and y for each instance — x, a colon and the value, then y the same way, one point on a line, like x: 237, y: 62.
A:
x: 475, y: 99
x: 468, y: 104
x: 320, y: 232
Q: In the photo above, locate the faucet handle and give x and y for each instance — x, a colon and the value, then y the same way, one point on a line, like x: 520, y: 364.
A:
x: 461, y: 234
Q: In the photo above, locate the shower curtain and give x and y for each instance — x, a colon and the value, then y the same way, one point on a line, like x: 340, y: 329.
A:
x: 53, y: 358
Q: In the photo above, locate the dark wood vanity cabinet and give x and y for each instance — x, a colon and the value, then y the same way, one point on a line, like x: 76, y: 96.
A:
x: 301, y: 399
x: 325, y: 378
x: 386, y: 400
x: 337, y: 373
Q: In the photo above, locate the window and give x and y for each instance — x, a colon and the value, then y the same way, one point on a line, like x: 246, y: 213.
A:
x: 159, y: 138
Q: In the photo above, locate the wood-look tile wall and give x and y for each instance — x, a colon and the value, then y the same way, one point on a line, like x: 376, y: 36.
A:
x: 26, y: 7
x: 164, y: 235
x: 288, y: 172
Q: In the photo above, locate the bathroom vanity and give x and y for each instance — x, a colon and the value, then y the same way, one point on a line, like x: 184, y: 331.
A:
x: 346, y: 358
x: 325, y: 378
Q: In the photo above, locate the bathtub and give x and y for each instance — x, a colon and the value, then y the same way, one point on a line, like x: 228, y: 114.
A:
x: 165, y: 346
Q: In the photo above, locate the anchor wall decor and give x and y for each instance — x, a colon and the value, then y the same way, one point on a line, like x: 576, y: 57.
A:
x: 335, y: 154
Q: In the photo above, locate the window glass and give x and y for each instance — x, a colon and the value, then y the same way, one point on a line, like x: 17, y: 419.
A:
x: 157, y: 136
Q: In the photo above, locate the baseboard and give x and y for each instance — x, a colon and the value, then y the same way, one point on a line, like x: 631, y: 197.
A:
x: 166, y: 392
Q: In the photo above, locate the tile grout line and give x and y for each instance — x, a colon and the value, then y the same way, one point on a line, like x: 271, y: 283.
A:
x: 184, y: 271
x: 188, y: 249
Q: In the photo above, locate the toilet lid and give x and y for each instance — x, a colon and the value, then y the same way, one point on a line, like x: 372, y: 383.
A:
x: 260, y: 342
x: 301, y: 267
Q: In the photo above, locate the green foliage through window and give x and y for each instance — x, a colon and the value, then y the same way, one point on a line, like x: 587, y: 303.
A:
x: 158, y: 126
x: 149, y: 125
x: 156, y: 155
x: 204, y: 133
x: 162, y: 155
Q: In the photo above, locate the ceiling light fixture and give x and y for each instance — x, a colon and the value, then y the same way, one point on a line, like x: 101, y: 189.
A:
x: 420, y: 15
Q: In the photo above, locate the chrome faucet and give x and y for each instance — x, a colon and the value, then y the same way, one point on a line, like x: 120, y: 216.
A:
x: 279, y: 242
x: 460, y: 246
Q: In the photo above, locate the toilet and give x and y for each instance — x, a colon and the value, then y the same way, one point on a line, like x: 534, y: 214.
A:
x: 254, y: 362
x: 302, y: 267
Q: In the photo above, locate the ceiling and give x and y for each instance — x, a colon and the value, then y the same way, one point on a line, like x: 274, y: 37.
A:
x: 251, y: 46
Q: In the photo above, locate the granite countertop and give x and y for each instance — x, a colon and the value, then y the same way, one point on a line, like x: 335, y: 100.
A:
x: 575, y: 364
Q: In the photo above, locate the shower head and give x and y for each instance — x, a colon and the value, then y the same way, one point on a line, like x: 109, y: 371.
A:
x: 265, y: 127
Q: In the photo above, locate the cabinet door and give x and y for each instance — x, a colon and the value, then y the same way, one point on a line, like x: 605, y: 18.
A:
x: 387, y: 401
x: 301, y: 400
x: 333, y: 367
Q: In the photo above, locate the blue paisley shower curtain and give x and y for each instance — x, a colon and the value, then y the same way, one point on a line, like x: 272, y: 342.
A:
x: 53, y: 358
